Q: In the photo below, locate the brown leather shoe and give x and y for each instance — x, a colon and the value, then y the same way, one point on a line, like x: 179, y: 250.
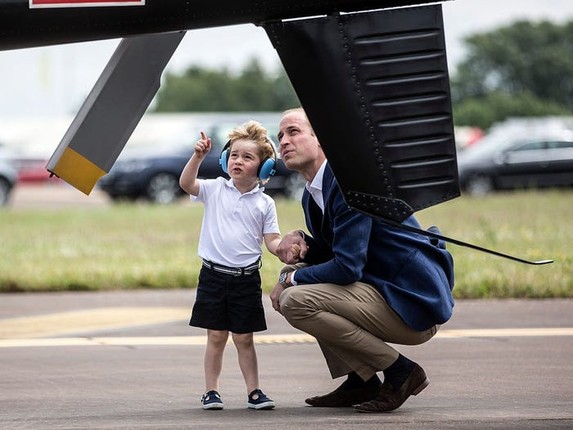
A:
x: 344, y: 398
x: 390, y: 399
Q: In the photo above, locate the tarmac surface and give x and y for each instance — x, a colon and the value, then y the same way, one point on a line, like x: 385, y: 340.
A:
x: 129, y: 360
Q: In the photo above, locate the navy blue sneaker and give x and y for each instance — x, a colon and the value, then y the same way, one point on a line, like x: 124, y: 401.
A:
x: 212, y: 400
x: 259, y: 400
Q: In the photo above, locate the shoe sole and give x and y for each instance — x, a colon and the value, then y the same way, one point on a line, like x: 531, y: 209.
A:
x: 213, y: 406
x: 421, y: 387
x: 417, y: 391
x: 335, y: 402
x: 261, y: 406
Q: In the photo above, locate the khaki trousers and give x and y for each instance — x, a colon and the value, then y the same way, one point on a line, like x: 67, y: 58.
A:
x: 352, y: 324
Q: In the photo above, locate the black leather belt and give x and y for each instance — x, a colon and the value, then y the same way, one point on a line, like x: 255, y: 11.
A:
x: 235, y: 271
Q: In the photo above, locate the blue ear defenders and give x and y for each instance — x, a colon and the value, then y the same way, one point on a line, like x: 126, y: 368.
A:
x: 267, y: 168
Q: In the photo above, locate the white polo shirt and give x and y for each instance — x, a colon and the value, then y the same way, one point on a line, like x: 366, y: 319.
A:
x: 234, y: 223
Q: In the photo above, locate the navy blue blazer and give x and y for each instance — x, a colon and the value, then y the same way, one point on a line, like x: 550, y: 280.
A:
x: 414, y: 274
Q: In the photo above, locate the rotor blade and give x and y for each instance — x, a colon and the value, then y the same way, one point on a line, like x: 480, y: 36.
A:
x: 112, y: 110
x: 30, y: 23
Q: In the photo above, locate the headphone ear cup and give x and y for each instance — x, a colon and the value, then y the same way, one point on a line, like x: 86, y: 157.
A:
x: 223, y: 160
x: 267, y: 169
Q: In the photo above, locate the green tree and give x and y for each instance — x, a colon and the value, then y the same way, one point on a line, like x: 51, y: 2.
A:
x: 196, y: 90
x: 523, y: 69
x: 205, y: 90
x: 496, y: 106
x: 284, y: 96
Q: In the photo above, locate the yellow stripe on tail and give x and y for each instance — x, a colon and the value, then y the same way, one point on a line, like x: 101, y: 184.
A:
x: 78, y: 171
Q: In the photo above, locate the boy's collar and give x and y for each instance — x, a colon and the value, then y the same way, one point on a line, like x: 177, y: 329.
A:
x: 257, y: 188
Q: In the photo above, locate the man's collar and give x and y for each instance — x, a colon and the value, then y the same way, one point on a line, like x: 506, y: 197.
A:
x: 317, y: 180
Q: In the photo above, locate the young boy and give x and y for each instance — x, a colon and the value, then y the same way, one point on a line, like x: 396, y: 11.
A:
x: 238, y: 218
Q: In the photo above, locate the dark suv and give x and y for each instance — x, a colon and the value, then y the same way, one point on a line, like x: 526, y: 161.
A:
x: 161, y: 145
x: 540, y: 159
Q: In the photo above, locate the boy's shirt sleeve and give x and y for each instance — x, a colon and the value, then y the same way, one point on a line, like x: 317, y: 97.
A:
x: 270, y: 222
x: 205, y: 185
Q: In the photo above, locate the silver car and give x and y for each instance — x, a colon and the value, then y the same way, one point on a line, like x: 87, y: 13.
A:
x: 8, y: 176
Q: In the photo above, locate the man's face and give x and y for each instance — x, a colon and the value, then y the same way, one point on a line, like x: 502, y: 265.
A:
x: 298, y: 145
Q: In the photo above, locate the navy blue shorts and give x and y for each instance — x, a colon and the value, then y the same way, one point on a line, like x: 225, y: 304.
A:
x: 227, y: 302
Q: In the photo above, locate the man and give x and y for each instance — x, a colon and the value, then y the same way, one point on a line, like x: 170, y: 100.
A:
x: 357, y: 284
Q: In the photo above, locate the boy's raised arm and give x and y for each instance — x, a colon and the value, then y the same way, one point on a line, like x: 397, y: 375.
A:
x: 188, y: 179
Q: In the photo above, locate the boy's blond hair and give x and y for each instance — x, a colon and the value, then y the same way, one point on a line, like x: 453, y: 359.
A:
x: 253, y: 130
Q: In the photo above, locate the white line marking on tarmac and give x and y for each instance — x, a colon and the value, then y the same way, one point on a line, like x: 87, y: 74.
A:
x: 264, y: 339
x: 74, y: 322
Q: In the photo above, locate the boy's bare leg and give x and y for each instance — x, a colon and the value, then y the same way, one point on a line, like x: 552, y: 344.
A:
x: 245, y: 345
x: 213, y: 362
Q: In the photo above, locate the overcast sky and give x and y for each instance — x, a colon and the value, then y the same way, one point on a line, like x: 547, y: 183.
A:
x: 55, y: 80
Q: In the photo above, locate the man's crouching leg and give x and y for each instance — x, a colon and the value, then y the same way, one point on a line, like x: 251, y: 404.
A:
x: 299, y: 310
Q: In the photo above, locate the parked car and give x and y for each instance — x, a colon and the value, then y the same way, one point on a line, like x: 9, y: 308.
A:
x: 540, y: 159
x: 8, y: 176
x: 152, y: 171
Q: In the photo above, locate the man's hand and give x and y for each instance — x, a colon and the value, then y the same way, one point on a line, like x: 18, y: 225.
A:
x: 292, y: 248
x: 275, y: 294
